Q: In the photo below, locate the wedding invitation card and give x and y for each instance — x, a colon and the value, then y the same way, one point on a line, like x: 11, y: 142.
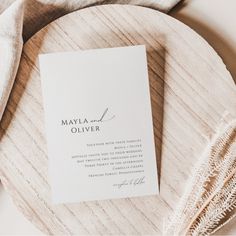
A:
x: 98, y: 124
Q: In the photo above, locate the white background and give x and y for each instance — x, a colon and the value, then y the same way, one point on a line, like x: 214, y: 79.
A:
x: 215, y: 20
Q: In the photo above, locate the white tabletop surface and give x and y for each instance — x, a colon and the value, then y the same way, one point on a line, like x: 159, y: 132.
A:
x: 215, y: 20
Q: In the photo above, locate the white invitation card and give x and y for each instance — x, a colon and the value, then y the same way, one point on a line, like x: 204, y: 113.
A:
x: 98, y: 124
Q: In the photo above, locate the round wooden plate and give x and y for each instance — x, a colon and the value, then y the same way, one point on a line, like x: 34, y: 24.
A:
x: 190, y: 90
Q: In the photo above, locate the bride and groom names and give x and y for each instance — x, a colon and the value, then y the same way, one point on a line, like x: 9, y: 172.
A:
x: 82, y: 125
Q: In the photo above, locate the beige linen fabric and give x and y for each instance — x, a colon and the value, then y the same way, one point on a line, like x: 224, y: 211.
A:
x: 10, y: 49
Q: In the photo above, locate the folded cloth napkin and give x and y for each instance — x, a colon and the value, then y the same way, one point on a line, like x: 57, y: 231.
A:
x: 11, y: 42
x: 16, y: 22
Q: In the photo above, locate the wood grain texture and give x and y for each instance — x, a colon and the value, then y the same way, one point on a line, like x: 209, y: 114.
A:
x: 190, y: 90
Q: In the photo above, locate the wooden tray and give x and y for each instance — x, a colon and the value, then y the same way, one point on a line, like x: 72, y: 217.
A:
x: 190, y: 89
